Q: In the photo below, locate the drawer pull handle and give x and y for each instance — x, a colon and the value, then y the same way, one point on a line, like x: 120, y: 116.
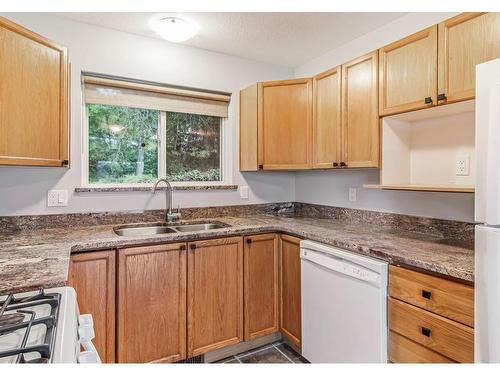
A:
x: 442, y: 97
x: 426, y: 294
x: 428, y: 100
x: 426, y: 331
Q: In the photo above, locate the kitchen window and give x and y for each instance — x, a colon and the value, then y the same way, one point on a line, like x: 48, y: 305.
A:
x: 137, y: 132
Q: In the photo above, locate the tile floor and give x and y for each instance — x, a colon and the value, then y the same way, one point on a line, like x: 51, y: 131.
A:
x: 277, y: 352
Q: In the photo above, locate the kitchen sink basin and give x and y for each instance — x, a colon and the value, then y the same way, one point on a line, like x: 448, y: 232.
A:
x: 164, y: 228
x: 198, y: 227
x: 142, y: 230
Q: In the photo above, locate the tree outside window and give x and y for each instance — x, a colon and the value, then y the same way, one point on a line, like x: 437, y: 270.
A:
x: 123, y: 146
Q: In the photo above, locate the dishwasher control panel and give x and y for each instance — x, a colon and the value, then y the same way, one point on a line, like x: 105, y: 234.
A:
x: 340, y: 265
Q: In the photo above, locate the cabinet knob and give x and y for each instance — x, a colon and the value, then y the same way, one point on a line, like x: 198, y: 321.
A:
x: 426, y: 331
x: 261, y: 166
x: 343, y: 164
x: 426, y: 294
x: 249, y: 241
x: 192, y: 246
x: 182, y: 247
x: 335, y: 164
x: 428, y: 100
x: 441, y: 97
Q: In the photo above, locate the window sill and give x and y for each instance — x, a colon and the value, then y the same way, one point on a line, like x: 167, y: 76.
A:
x: 109, y: 189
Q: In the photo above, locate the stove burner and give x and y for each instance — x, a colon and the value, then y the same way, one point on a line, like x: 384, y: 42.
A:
x: 15, y: 315
x: 8, y: 320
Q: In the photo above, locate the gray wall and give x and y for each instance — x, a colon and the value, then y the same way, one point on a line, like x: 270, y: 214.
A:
x: 332, y: 187
x: 24, y: 190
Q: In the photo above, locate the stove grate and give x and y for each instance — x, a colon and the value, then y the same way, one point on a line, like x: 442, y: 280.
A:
x: 21, y: 305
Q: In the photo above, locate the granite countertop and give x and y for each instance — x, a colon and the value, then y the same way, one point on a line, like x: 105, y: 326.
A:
x: 40, y: 258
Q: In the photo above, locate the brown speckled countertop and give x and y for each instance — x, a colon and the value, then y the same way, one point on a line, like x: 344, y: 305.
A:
x: 40, y: 258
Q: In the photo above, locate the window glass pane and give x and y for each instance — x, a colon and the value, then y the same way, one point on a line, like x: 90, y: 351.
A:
x: 123, y: 146
x: 193, y: 147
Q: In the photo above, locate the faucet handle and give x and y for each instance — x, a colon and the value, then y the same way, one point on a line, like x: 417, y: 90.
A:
x: 175, y: 216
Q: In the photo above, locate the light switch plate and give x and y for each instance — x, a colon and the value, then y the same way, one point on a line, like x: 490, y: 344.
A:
x: 244, y: 192
x: 57, y: 198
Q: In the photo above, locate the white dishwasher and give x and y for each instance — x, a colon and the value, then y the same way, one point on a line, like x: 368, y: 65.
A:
x: 344, y: 306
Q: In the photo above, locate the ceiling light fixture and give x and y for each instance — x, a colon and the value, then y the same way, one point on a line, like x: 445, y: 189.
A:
x: 174, y: 29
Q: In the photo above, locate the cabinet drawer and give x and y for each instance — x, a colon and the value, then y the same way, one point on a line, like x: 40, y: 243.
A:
x: 443, y: 297
x: 449, y: 338
x: 403, y: 350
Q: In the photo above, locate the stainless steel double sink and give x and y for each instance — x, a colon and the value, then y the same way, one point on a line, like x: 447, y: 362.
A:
x: 146, y: 229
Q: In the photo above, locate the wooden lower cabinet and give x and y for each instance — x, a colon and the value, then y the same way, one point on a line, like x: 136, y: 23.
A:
x: 215, y: 294
x: 403, y: 350
x: 290, y: 301
x: 92, y: 275
x: 261, y: 285
x: 443, y: 297
x: 152, y: 304
x: 430, y: 319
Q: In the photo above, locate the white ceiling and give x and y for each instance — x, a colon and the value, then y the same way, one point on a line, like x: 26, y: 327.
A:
x: 288, y: 39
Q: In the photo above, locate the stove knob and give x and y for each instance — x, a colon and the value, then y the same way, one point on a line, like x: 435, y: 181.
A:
x: 88, y: 357
x: 86, y: 320
x: 86, y: 333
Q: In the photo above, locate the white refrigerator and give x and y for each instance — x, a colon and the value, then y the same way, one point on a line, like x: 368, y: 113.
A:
x: 487, y: 213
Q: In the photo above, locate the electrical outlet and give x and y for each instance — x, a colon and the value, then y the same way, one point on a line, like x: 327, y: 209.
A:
x: 57, y: 198
x: 244, y: 192
x: 352, y: 194
x: 462, y: 167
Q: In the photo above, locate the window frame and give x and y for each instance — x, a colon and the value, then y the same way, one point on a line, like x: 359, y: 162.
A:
x: 225, y: 152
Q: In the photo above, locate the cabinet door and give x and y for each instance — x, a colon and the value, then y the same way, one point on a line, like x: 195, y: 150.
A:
x: 285, y: 123
x: 290, y: 302
x: 408, y: 73
x: 465, y: 41
x: 261, y: 285
x: 34, y: 118
x: 215, y: 294
x: 92, y: 275
x: 327, y: 119
x: 152, y: 304
x: 360, y: 123
x: 248, y: 129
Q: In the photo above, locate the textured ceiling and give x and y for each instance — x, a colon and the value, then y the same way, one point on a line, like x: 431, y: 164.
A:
x: 288, y: 39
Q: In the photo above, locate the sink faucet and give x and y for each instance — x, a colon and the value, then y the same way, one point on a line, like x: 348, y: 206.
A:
x: 169, y: 215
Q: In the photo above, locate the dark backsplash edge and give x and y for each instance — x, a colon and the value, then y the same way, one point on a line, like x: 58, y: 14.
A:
x: 460, y: 231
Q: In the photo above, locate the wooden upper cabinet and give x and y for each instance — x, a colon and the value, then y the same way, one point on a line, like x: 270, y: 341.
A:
x: 152, y: 304
x: 465, y: 41
x: 248, y: 129
x: 92, y: 275
x: 290, y: 296
x: 286, y: 124
x: 34, y: 99
x: 408, y: 73
x: 261, y: 285
x: 276, y: 125
x: 360, y: 122
x: 215, y: 294
x: 327, y: 119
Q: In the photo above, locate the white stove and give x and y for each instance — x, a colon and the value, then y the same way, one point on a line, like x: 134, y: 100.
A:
x: 45, y: 327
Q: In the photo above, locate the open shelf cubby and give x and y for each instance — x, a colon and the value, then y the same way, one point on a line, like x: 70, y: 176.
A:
x: 421, y: 149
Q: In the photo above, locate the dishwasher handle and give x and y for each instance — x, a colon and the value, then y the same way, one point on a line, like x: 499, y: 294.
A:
x: 342, y: 266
